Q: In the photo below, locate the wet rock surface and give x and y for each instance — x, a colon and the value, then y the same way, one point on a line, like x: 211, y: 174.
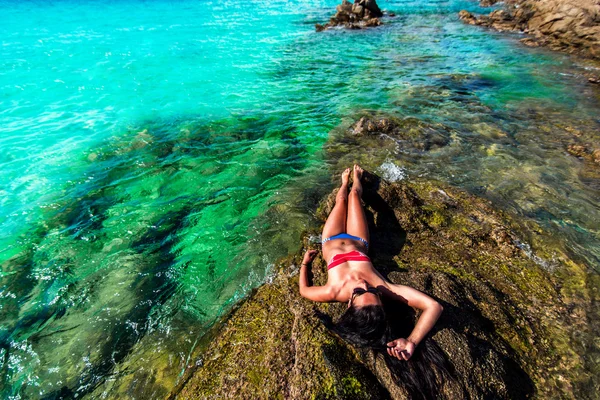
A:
x: 581, y: 151
x: 572, y: 26
x: 412, y: 132
x: 358, y: 15
x: 516, y: 324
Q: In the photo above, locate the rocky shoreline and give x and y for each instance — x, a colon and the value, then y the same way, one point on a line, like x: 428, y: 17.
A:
x: 519, y: 317
x: 571, y: 26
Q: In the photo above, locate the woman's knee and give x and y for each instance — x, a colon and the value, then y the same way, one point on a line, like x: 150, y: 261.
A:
x: 356, y: 192
x: 341, y: 197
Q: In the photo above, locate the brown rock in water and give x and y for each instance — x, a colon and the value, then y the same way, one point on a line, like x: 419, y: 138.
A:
x: 370, y: 125
x: 361, y: 14
x: 363, y: 126
x: 414, y: 134
x: 385, y: 125
x: 572, y: 26
x: 577, y: 150
x: 372, y: 7
x: 467, y: 17
x: 372, y: 22
x: 345, y: 7
x: 358, y: 10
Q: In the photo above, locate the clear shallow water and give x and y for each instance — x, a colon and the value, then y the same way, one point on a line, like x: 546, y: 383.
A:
x: 155, y: 162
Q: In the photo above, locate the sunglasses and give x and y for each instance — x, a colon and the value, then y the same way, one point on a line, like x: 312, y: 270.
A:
x: 360, y: 291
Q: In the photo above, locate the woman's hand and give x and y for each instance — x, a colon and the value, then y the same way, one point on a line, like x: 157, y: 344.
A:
x: 401, y: 348
x: 431, y: 312
x: 309, y: 256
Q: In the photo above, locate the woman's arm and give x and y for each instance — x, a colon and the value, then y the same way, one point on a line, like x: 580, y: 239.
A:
x: 314, y: 293
x: 402, y: 348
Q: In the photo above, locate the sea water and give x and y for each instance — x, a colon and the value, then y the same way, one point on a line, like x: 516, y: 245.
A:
x: 158, y: 157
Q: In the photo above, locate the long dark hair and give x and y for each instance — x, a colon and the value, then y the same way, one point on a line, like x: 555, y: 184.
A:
x: 422, y: 375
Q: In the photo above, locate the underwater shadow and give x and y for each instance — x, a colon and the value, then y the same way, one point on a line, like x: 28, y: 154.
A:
x: 157, y: 247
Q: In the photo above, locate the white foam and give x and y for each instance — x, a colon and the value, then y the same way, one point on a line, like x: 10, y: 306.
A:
x: 391, y: 172
x: 548, y: 265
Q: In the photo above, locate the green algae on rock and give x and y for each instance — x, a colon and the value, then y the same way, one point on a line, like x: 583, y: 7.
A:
x: 273, y: 346
x: 508, y: 327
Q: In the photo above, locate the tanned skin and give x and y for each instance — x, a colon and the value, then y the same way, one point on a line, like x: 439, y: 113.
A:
x: 349, y: 217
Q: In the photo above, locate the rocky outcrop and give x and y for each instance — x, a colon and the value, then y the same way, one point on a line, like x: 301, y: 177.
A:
x: 508, y: 329
x: 517, y: 322
x: 361, y: 14
x: 519, y: 314
x: 416, y: 134
x: 572, y: 26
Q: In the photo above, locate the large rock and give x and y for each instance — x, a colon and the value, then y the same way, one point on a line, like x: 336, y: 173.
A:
x: 567, y: 25
x: 508, y: 328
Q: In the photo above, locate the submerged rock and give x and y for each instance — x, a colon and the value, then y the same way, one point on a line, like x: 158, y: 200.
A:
x: 584, y: 152
x: 378, y: 132
x: 590, y: 173
x: 508, y: 329
x: 572, y: 26
x: 361, y: 14
x: 577, y: 150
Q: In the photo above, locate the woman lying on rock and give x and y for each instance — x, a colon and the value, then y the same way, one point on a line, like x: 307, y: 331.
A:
x: 353, y: 279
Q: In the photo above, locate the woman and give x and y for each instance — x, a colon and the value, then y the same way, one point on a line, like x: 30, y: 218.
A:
x: 352, y: 279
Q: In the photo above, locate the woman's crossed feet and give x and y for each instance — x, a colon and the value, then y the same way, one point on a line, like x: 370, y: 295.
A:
x: 357, y: 176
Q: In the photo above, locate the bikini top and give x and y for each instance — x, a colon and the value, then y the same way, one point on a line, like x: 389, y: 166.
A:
x: 344, y: 257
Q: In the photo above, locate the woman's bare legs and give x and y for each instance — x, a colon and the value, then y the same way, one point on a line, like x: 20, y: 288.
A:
x: 336, y: 222
x: 356, y: 224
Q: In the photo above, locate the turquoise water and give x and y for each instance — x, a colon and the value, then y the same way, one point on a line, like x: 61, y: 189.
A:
x: 158, y: 157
